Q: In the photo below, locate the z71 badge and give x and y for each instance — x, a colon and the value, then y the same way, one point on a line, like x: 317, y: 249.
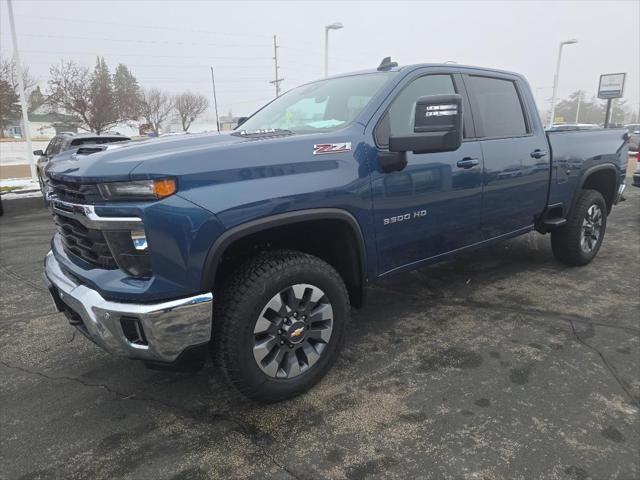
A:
x: 322, y: 148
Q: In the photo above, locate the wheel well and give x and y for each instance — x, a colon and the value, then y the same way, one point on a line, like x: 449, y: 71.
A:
x: 604, y: 181
x: 332, y: 240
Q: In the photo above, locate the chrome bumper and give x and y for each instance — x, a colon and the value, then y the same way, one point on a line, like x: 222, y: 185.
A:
x: 168, y: 328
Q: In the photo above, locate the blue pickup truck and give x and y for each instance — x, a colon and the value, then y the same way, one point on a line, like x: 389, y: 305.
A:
x: 253, y: 246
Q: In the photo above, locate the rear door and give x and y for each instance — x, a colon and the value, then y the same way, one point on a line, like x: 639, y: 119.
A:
x: 434, y: 204
x: 515, y: 152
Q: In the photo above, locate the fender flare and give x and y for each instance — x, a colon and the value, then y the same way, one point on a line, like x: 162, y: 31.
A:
x: 298, y: 216
x: 588, y: 172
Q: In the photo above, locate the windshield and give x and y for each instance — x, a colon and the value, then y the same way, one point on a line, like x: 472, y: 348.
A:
x: 320, y: 106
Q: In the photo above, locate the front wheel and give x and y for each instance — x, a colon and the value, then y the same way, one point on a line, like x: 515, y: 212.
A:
x: 578, y: 241
x: 279, y: 324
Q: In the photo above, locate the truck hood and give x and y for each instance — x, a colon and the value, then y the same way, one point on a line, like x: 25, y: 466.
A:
x: 119, y: 164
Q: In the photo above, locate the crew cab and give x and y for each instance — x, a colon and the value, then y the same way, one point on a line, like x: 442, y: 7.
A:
x: 254, y: 245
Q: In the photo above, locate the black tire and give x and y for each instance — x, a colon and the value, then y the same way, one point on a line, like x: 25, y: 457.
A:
x: 242, y: 301
x: 567, y: 241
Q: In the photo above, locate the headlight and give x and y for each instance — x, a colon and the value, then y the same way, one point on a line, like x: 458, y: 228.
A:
x: 138, y: 189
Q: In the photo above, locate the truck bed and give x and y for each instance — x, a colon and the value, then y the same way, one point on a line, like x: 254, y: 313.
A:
x: 575, y: 152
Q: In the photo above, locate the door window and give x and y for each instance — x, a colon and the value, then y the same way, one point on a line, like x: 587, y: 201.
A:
x: 53, y: 147
x: 400, y: 116
x: 497, y: 107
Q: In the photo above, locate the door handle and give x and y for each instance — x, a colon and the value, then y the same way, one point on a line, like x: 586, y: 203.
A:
x: 537, y: 153
x: 467, y: 162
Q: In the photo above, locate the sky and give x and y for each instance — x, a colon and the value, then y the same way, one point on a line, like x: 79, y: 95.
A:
x: 173, y: 44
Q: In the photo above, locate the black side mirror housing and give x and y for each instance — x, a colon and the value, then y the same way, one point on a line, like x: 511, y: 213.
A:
x: 38, y: 153
x: 437, y: 126
x: 241, y: 120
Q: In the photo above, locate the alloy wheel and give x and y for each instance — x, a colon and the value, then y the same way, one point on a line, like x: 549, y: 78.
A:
x: 591, y: 228
x: 292, y: 331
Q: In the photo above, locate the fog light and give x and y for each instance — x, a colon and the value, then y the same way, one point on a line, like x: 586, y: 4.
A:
x: 139, y: 240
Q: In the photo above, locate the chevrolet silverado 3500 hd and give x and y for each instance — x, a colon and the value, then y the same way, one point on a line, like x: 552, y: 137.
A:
x: 254, y: 245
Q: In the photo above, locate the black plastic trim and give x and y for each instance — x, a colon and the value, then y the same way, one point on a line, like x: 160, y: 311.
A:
x: 587, y: 173
x: 299, y: 216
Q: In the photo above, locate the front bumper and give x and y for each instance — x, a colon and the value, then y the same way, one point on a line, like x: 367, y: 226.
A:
x: 168, y: 328
x: 621, y: 189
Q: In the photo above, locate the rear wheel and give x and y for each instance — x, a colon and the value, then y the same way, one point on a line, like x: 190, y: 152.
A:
x: 579, y: 240
x: 279, y: 324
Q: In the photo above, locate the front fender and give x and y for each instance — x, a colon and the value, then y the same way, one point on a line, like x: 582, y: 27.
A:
x: 232, y: 235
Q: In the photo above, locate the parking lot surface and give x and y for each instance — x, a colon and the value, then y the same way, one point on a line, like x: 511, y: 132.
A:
x: 501, y: 364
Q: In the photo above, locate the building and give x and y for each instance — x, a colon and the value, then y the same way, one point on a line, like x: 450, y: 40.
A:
x: 43, y: 123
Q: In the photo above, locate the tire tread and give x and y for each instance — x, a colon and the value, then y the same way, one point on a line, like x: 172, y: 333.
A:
x: 565, y: 241
x: 229, y: 315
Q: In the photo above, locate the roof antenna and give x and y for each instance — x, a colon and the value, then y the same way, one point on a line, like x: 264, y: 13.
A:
x: 386, y: 64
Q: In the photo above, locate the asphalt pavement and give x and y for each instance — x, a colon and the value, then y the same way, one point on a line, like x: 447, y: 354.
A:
x: 501, y: 364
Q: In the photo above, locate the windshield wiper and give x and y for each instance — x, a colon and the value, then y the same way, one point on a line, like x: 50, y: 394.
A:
x: 262, y: 132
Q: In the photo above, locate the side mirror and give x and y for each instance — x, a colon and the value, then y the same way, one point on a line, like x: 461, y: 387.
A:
x: 437, y: 126
x: 241, y: 120
x: 38, y: 153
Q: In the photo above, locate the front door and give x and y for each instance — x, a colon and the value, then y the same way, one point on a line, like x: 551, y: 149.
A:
x: 434, y: 204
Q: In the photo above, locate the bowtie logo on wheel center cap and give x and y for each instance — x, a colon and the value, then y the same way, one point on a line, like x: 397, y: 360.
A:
x: 295, y: 332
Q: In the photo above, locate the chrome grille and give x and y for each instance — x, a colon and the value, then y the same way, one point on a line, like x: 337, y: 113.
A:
x: 88, y: 244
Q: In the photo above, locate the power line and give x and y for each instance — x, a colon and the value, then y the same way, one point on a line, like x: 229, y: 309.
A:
x: 94, y: 54
x: 151, y: 42
x: 153, y: 27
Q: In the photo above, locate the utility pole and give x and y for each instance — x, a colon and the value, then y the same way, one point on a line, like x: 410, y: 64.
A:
x: 23, y: 96
x: 215, y: 100
x: 579, y: 101
x: 277, y: 80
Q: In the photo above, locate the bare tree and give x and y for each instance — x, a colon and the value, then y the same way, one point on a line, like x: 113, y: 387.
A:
x: 190, y: 106
x: 9, y: 74
x: 70, y: 89
x: 87, y: 94
x: 156, y: 106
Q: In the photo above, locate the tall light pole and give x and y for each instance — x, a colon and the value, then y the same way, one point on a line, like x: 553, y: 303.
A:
x: 333, y: 26
x: 23, y: 96
x: 556, y: 78
x: 215, y: 100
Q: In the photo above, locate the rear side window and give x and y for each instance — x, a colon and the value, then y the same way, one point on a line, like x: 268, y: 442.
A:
x: 498, y: 108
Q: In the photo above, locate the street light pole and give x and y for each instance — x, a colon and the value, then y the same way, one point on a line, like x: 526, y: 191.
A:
x: 215, y: 101
x: 23, y: 96
x: 333, y: 26
x: 556, y: 78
